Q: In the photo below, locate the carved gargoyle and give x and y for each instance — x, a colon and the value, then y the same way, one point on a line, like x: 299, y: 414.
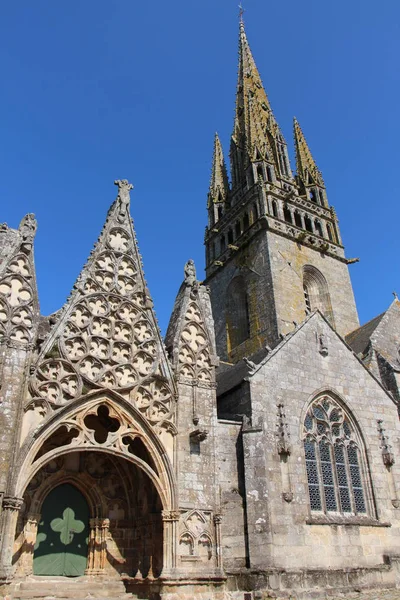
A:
x: 199, y: 435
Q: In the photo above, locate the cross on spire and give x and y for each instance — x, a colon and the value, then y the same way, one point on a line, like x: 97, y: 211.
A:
x: 241, y: 11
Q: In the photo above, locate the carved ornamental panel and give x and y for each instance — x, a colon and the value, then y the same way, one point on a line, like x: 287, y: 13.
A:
x: 17, y: 289
x: 106, y: 336
x: 194, y: 360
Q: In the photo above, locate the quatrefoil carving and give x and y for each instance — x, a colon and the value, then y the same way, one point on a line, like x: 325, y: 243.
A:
x: 110, y: 341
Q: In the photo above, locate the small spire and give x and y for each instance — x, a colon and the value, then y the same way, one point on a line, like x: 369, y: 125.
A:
x: 304, y: 159
x: 219, y: 185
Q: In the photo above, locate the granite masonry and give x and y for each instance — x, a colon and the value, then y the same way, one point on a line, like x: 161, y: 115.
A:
x: 254, y: 453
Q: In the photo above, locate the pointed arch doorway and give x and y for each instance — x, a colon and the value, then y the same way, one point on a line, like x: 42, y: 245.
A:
x: 61, y: 546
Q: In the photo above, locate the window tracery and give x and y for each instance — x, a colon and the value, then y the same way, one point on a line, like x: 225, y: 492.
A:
x: 333, y: 460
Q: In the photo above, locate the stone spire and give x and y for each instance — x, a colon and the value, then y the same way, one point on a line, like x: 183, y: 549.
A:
x: 307, y: 170
x: 256, y: 135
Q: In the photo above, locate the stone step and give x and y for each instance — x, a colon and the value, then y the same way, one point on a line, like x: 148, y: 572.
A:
x: 66, y: 588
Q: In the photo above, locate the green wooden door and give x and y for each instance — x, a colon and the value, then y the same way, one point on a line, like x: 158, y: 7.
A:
x: 62, y: 539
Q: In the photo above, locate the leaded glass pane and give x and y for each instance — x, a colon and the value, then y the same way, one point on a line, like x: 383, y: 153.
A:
x: 326, y: 404
x: 356, y: 479
x: 312, y: 475
x: 346, y: 429
x: 344, y: 493
x: 334, y: 416
x: 318, y: 412
x: 335, y: 468
x: 308, y: 422
x: 327, y: 476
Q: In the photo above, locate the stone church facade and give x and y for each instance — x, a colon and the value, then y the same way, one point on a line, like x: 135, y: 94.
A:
x: 252, y: 453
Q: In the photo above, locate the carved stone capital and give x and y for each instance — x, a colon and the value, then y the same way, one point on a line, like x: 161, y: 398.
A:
x: 12, y: 503
x: 170, y: 515
x: 287, y: 496
x: 33, y: 518
x: 388, y: 459
x: 217, y: 519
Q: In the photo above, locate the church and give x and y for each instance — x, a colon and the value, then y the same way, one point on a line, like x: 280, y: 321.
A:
x: 252, y: 453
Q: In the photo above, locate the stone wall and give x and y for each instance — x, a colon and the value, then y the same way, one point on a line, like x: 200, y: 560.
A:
x: 231, y: 483
x: 282, y: 530
x: 287, y: 260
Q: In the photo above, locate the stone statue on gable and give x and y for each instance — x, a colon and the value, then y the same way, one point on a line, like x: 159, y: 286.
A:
x: 124, y: 197
x: 190, y: 273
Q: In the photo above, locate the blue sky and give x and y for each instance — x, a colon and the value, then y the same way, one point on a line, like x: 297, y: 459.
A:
x: 98, y: 90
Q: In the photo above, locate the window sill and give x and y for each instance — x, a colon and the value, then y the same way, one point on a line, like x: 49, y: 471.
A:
x: 349, y: 521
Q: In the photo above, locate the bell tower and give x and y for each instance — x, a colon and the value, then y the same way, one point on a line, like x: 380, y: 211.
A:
x: 273, y: 246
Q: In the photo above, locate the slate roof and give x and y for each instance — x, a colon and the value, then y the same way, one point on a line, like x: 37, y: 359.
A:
x: 358, y: 339
x: 230, y: 376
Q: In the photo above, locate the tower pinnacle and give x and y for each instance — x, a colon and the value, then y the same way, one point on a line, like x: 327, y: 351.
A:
x: 219, y: 186
x: 309, y: 175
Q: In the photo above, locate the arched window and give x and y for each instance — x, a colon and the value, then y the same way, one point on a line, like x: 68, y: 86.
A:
x: 260, y: 173
x: 238, y: 229
x: 333, y: 452
x: 255, y: 211
x: 308, y: 224
x: 318, y: 228
x: 274, y: 209
x: 316, y: 293
x: 329, y: 230
x: 313, y: 196
x: 230, y: 236
x: 246, y: 221
x: 219, y: 212
x: 297, y: 219
x: 237, y: 313
x: 222, y: 243
x: 321, y: 197
x: 269, y: 173
x: 287, y: 214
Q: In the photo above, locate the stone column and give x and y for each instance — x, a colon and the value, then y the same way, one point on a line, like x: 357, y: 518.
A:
x: 217, y: 523
x: 9, y: 515
x: 170, y: 519
x: 25, y: 565
x: 97, y: 546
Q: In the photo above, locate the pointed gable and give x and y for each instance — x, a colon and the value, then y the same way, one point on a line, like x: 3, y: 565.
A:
x: 19, y: 307
x: 190, y: 336
x: 106, y: 336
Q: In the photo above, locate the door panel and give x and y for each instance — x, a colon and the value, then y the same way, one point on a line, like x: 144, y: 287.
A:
x: 62, y: 539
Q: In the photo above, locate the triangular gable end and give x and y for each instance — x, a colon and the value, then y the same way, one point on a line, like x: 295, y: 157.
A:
x: 107, y: 336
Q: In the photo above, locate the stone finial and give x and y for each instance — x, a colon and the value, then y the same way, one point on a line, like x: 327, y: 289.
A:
x: 190, y: 273
x: 283, y: 435
x: 27, y: 229
x: 387, y: 454
x: 323, y: 344
x: 123, y: 197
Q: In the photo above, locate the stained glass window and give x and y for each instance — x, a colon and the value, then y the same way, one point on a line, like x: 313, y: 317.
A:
x: 332, y: 460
